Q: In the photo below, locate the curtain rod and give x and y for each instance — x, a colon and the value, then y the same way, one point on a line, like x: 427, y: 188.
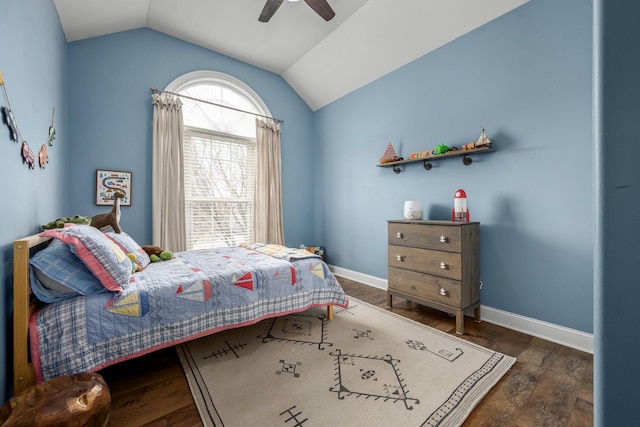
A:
x: 155, y: 89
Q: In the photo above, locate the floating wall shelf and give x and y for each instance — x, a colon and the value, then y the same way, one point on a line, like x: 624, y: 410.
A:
x: 465, y: 154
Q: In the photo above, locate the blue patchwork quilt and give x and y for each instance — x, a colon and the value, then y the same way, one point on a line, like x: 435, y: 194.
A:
x: 195, y: 294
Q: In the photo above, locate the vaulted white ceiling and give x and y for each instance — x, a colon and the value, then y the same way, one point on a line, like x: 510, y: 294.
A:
x: 322, y: 61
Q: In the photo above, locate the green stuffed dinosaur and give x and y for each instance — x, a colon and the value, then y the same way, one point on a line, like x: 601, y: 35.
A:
x: 60, y: 222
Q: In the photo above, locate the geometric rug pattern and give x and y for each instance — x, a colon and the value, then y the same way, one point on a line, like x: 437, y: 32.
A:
x: 366, y: 367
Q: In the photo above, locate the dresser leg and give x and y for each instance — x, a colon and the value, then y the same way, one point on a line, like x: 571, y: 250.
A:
x: 389, y: 297
x: 476, y: 314
x: 459, y: 322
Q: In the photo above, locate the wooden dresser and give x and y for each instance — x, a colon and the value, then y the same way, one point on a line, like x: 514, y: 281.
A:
x: 437, y: 264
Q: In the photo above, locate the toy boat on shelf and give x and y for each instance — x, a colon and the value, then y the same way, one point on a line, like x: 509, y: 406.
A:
x: 483, y: 140
x: 390, y: 155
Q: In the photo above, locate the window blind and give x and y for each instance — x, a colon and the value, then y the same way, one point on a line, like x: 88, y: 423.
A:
x: 219, y: 174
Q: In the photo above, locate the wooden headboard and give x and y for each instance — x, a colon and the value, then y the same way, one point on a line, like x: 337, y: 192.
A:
x: 24, y: 305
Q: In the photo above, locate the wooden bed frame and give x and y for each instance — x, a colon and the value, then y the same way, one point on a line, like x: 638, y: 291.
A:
x: 25, y: 304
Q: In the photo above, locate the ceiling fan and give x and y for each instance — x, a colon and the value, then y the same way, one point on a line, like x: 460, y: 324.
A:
x: 321, y: 7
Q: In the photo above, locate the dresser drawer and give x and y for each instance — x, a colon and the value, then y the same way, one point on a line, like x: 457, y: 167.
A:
x: 438, y: 237
x: 443, y: 264
x: 426, y: 286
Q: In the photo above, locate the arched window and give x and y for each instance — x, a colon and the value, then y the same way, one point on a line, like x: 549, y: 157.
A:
x: 219, y: 157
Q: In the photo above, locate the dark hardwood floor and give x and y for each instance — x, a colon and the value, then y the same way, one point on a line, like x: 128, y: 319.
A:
x: 550, y: 385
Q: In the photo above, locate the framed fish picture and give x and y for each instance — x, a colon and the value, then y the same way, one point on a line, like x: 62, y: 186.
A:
x: 108, y: 182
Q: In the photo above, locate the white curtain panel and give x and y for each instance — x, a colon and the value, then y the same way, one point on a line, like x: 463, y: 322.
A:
x: 168, y: 216
x: 268, y: 223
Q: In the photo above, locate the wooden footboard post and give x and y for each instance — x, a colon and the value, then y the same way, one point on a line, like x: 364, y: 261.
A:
x: 330, y: 312
x: 23, y: 307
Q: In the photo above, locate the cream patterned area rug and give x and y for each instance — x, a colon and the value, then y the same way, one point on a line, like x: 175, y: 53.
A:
x: 366, y: 367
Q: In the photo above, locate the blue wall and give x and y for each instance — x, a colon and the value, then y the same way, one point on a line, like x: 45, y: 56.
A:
x: 111, y: 115
x: 33, y: 61
x: 617, y: 209
x: 526, y: 77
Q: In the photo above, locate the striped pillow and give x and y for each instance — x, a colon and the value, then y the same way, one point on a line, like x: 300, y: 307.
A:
x: 130, y: 246
x: 101, y: 255
x: 56, y: 274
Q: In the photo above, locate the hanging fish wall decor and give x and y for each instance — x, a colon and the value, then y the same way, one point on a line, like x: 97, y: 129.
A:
x: 43, y: 157
x: 27, y: 155
x: 7, y: 114
x: 52, y: 130
x: 8, y: 118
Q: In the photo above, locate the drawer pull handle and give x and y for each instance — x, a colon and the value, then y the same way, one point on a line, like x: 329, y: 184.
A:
x: 443, y: 266
x: 443, y: 239
x: 399, y: 235
x: 399, y: 257
x: 443, y: 292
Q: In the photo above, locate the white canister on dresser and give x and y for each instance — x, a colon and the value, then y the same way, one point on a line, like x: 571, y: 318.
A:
x: 412, y: 209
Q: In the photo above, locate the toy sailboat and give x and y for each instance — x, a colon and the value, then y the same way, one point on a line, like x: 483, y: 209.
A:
x: 390, y: 155
x: 483, y: 140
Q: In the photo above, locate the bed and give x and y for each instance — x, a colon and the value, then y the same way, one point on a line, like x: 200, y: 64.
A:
x: 85, y: 327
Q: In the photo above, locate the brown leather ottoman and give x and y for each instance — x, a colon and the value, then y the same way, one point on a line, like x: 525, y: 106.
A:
x: 73, y: 400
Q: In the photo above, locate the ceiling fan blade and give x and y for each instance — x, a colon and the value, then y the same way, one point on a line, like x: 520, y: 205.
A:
x: 322, y: 8
x: 269, y: 9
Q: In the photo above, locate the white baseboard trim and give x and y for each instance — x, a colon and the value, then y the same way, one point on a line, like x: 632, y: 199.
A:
x: 374, y: 281
x: 551, y: 332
